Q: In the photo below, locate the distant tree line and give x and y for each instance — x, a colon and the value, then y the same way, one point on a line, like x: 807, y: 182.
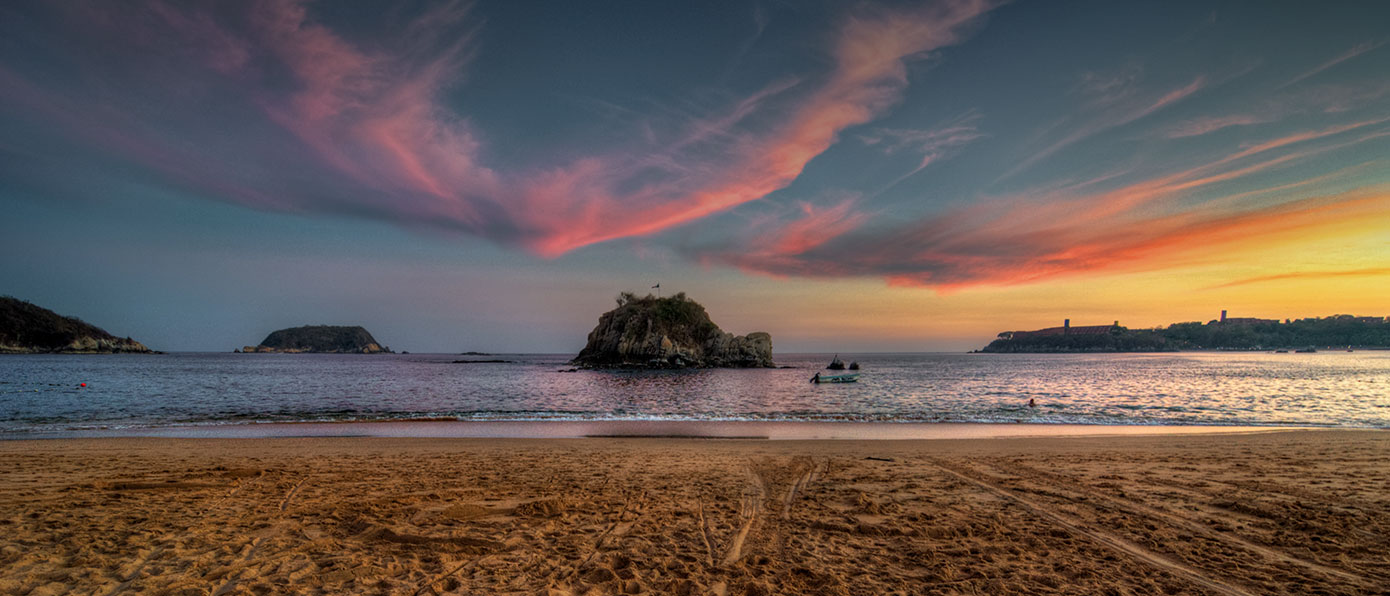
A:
x: 1334, y: 331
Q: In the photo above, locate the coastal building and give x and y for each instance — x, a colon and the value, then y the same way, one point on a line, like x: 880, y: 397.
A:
x: 1065, y: 329
x: 1224, y: 320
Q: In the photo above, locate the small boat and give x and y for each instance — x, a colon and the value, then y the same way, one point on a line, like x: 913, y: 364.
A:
x: 836, y: 364
x: 1306, y: 351
x: 846, y: 378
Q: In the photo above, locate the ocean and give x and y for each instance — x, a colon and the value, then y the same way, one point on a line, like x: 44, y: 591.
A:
x: 42, y: 395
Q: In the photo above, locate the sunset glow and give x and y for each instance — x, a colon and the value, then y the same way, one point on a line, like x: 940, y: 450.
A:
x: 868, y: 176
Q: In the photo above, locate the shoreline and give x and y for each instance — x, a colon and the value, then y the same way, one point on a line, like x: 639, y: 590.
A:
x: 675, y: 429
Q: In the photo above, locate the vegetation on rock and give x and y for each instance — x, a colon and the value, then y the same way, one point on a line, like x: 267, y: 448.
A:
x: 674, y: 332
x: 332, y: 339
x: 28, y: 328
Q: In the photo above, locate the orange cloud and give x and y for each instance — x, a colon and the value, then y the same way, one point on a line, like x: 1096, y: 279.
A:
x: 1368, y: 272
x: 1028, y: 238
x: 1142, y: 244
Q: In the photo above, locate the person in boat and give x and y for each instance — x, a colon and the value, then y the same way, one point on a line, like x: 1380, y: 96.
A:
x: 816, y: 379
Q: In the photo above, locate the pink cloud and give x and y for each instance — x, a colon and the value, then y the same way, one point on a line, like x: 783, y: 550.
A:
x: 869, y: 77
x: 372, y: 138
x: 375, y: 117
x: 362, y: 129
x: 1170, y: 98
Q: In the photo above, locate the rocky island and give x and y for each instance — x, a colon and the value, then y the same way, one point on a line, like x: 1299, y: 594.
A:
x: 29, y: 329
x: 675, y: 332
x: 319, y: 339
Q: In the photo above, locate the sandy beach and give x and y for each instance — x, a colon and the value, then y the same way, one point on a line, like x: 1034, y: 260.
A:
x: 1297, y: 512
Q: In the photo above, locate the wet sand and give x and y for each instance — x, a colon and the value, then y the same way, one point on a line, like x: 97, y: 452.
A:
x: 778, y: 430
x: 1297, y: 512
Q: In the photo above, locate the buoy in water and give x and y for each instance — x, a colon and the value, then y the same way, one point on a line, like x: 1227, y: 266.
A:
x: 82, y: 385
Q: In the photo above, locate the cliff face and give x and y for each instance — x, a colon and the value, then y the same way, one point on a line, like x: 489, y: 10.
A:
x: 29, y: 329
x: 326, y: 339
x: 670, y: 332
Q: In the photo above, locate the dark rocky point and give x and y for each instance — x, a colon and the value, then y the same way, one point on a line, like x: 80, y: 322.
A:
x: 320, y: 339
x: 673, y: 332
x: 29, y: 329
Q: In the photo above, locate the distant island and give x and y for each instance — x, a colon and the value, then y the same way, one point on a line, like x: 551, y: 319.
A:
x: 674, y: 332
x: 29, y: 329
x: 1236, y: 333
x: 319, y: 339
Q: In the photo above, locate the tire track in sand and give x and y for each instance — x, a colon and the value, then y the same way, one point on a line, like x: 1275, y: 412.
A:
x: 800, y: 485
x: 130, y: 576
x: 1132, y: 506
x: 750, y: 507
x: 1105, y: 539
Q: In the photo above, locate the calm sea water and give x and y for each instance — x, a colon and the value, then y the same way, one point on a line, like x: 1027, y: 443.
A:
x: 41, y: 393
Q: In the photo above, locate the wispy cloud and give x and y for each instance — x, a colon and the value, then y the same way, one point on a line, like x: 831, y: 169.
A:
x: 340, y: 129
x: 1208, y: 124
x: 1003, y: 244
x: 1103, y: 88
x: 869, y: 76
x: 1035, y: 236
x: 779, y: 243
x: 1300, y: 275
x: 931, y: 143
x: 262, y: 104
x: 1355, y: 51
x: 1112, y: 114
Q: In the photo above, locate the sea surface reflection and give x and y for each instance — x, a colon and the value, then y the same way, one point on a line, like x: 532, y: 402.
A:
x: 40, y: 392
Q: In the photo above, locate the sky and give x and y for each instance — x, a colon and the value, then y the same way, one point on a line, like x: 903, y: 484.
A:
x: 847, y: 176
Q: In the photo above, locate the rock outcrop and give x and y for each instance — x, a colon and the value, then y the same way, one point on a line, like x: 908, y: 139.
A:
x: 29, y: 329
x: 673, y: 332
x: 320, y: 339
